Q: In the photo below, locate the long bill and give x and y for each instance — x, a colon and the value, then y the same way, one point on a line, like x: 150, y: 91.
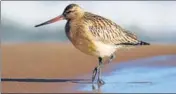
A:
x: 61, y: 17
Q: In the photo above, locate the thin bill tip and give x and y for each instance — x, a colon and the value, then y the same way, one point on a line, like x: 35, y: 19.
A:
x: 36, y: 26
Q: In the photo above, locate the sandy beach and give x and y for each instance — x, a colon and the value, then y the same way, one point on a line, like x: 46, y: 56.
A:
x: 60, y: 67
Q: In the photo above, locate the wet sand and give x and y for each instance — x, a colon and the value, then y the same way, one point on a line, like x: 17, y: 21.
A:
x: 59, y: 67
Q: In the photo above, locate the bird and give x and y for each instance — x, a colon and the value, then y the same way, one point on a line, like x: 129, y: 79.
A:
x: 95, y: 35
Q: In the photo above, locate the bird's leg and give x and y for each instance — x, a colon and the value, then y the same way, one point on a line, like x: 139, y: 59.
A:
x: 111, y: 58
x: 93, y: 77
x: 100, y: 81
x: 98, y: 70
x: 94, y: 74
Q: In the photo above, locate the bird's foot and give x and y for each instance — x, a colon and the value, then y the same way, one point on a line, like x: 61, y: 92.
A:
x: 93, y: 87
x: 100, y: 82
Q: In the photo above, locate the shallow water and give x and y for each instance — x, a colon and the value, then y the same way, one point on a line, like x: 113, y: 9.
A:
x: 149, y: 75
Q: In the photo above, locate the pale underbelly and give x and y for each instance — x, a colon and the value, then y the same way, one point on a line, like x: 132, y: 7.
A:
x: 104, y: 49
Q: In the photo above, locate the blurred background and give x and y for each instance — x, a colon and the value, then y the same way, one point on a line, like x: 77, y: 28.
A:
x: 152, y: 21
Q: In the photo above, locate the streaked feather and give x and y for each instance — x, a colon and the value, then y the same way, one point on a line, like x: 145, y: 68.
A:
x: 107, y: 31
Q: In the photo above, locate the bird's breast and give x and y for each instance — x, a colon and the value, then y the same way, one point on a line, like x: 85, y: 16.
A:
x: 80, y: 37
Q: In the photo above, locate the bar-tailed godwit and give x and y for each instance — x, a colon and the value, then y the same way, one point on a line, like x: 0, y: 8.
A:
x: 95, y: 35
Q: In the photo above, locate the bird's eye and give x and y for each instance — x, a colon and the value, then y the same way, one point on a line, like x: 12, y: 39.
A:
x: 68, y: 12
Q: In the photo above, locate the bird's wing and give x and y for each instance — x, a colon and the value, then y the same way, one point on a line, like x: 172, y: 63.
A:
x: 109, y: 32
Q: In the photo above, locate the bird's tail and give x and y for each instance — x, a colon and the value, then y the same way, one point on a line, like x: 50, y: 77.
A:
x: 138, y: 43
x: 143, y: 43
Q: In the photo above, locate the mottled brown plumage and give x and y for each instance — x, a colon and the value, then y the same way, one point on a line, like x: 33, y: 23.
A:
x: 94, y: 34
x: 107, y: 31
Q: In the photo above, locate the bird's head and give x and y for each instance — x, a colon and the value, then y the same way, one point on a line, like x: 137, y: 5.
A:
x: 71, y: 12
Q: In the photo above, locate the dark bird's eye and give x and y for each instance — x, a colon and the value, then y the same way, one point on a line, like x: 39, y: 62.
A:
x: 68, y: 12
